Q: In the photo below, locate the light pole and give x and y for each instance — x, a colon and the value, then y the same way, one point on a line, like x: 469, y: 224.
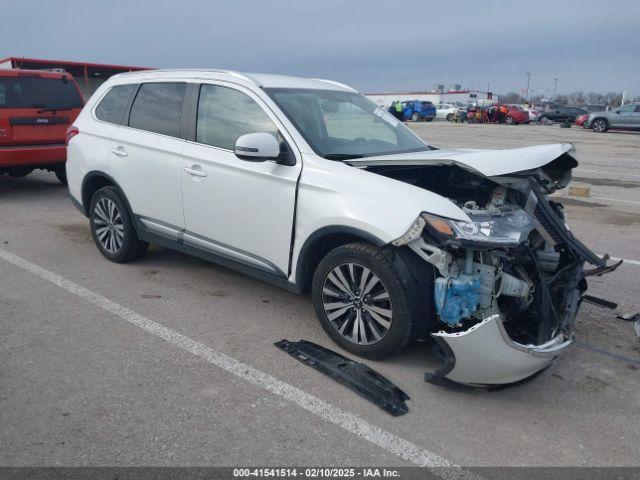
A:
x: 528, y: 74
x: 555, y: 88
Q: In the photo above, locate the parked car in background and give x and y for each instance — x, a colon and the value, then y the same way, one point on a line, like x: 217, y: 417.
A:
x: 534, y: 113
x: 626, y: 117
x: 581, y: 120
x: 395, y: 239
x: 561, y: 114
x: 418, y: 111
x: 515, y: 115
x: 36, y: 108
x: 447, y: 111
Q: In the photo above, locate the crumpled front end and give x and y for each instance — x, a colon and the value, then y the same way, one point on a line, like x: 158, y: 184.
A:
x: 509, y: 282
x: 485, y: 354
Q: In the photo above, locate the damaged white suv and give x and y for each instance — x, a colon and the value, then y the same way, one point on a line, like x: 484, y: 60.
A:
x: 307, y: 184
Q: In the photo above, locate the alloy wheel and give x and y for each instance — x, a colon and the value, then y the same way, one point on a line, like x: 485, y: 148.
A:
x: 357, y: 303
x: 108, y: 225
x: 599, y: 126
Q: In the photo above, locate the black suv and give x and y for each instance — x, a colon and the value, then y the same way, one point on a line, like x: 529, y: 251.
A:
x: 562, y: 114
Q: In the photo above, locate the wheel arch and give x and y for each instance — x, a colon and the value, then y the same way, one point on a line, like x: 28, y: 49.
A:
x: 94, y: 181
x: 321, y: 242
x: 418, y: 274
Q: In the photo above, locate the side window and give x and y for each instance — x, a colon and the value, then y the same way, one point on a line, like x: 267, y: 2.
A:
x: 3, y: 95
x: 111, y: 108
x: 158, y: 108
x: 224, y: 114
x: 628, y: 109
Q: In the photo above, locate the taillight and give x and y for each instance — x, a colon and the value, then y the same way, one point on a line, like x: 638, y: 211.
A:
x: 72, y: 131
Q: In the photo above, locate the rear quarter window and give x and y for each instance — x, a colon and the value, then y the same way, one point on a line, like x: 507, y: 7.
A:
x: 158, y: 108
x: 112, y: 107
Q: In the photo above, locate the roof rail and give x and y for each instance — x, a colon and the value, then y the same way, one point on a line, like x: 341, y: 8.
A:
x: 186, y: 70
x: 333, y: 82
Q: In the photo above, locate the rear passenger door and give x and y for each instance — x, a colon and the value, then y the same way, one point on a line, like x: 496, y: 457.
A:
x: 145, y: 156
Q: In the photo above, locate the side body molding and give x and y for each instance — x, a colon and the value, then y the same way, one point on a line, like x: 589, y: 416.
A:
x: 195, y: 241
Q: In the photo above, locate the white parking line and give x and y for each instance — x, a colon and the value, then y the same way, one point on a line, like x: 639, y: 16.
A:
x: 590, y: 197
x: 630, y: 202
x: 607, y: 173
x: 351, y: 423
x: 626, y: 260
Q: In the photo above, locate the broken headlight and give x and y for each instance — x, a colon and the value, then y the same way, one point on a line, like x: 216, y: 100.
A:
x: 508, y: 226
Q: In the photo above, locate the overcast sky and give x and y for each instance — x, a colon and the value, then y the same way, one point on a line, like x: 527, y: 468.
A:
x: 371, y: 45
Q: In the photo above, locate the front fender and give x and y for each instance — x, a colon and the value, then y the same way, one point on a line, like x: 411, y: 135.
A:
x: 332, y: 194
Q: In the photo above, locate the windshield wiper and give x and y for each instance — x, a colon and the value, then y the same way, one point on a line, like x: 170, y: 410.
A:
x: 55, y: 109
x: 342, y: 156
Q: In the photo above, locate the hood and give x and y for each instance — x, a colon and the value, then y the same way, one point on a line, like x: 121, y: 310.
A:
x: 489, y: 163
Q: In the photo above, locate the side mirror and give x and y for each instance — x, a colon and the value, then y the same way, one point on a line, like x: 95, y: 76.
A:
x: 257, y: 147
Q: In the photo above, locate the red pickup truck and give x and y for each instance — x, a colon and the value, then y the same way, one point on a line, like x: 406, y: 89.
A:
x: 36, y: 108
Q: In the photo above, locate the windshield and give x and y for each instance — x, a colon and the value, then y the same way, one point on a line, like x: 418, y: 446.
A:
x: 35, y: 92
x: 342, y: 125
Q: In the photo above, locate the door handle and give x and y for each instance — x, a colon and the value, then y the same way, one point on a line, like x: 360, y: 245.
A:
x: 120, y: 151
x: 195, y: 171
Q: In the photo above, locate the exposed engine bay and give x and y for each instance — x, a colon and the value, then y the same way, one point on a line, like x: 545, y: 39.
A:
x: 511, y: 278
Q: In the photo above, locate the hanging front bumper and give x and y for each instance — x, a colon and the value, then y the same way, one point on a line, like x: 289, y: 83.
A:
x: 486, y: 355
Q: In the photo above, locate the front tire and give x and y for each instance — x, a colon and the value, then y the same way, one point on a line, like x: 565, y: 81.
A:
x: 449, y: 117
x: 600, y: 125
x: 414, y: 117
x: 543, y: 119
x: 112, y: 227
x: 361, y: 301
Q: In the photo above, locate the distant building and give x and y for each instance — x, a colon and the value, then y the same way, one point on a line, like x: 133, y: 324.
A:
x: 89, y: 76
x: 454, y: 97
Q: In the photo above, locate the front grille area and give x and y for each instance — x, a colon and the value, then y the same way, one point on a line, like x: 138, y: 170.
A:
x: 547, y: 224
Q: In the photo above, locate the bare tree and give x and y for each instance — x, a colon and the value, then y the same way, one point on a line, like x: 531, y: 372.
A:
x: 613, y: 99
x: 512, y: 97
x: 537, y: 99
x: 595, y: 98
x: 577, y: 98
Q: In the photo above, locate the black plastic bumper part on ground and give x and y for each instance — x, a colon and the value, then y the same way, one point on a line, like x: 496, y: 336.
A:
x: 357, y: 376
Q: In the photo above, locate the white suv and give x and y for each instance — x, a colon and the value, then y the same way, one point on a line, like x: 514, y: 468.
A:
x: 307, y: 184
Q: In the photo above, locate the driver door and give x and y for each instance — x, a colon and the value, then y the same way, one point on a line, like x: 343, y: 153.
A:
x: 234, y: 208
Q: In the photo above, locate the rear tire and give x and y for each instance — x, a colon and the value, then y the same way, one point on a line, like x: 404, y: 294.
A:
x: 449, y: 117
x: 414, y: 117
x: 370, y: 314
x: 509, y: 121
x: 543, y: 119
x: 112, y: 227
x: 600, y: 125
